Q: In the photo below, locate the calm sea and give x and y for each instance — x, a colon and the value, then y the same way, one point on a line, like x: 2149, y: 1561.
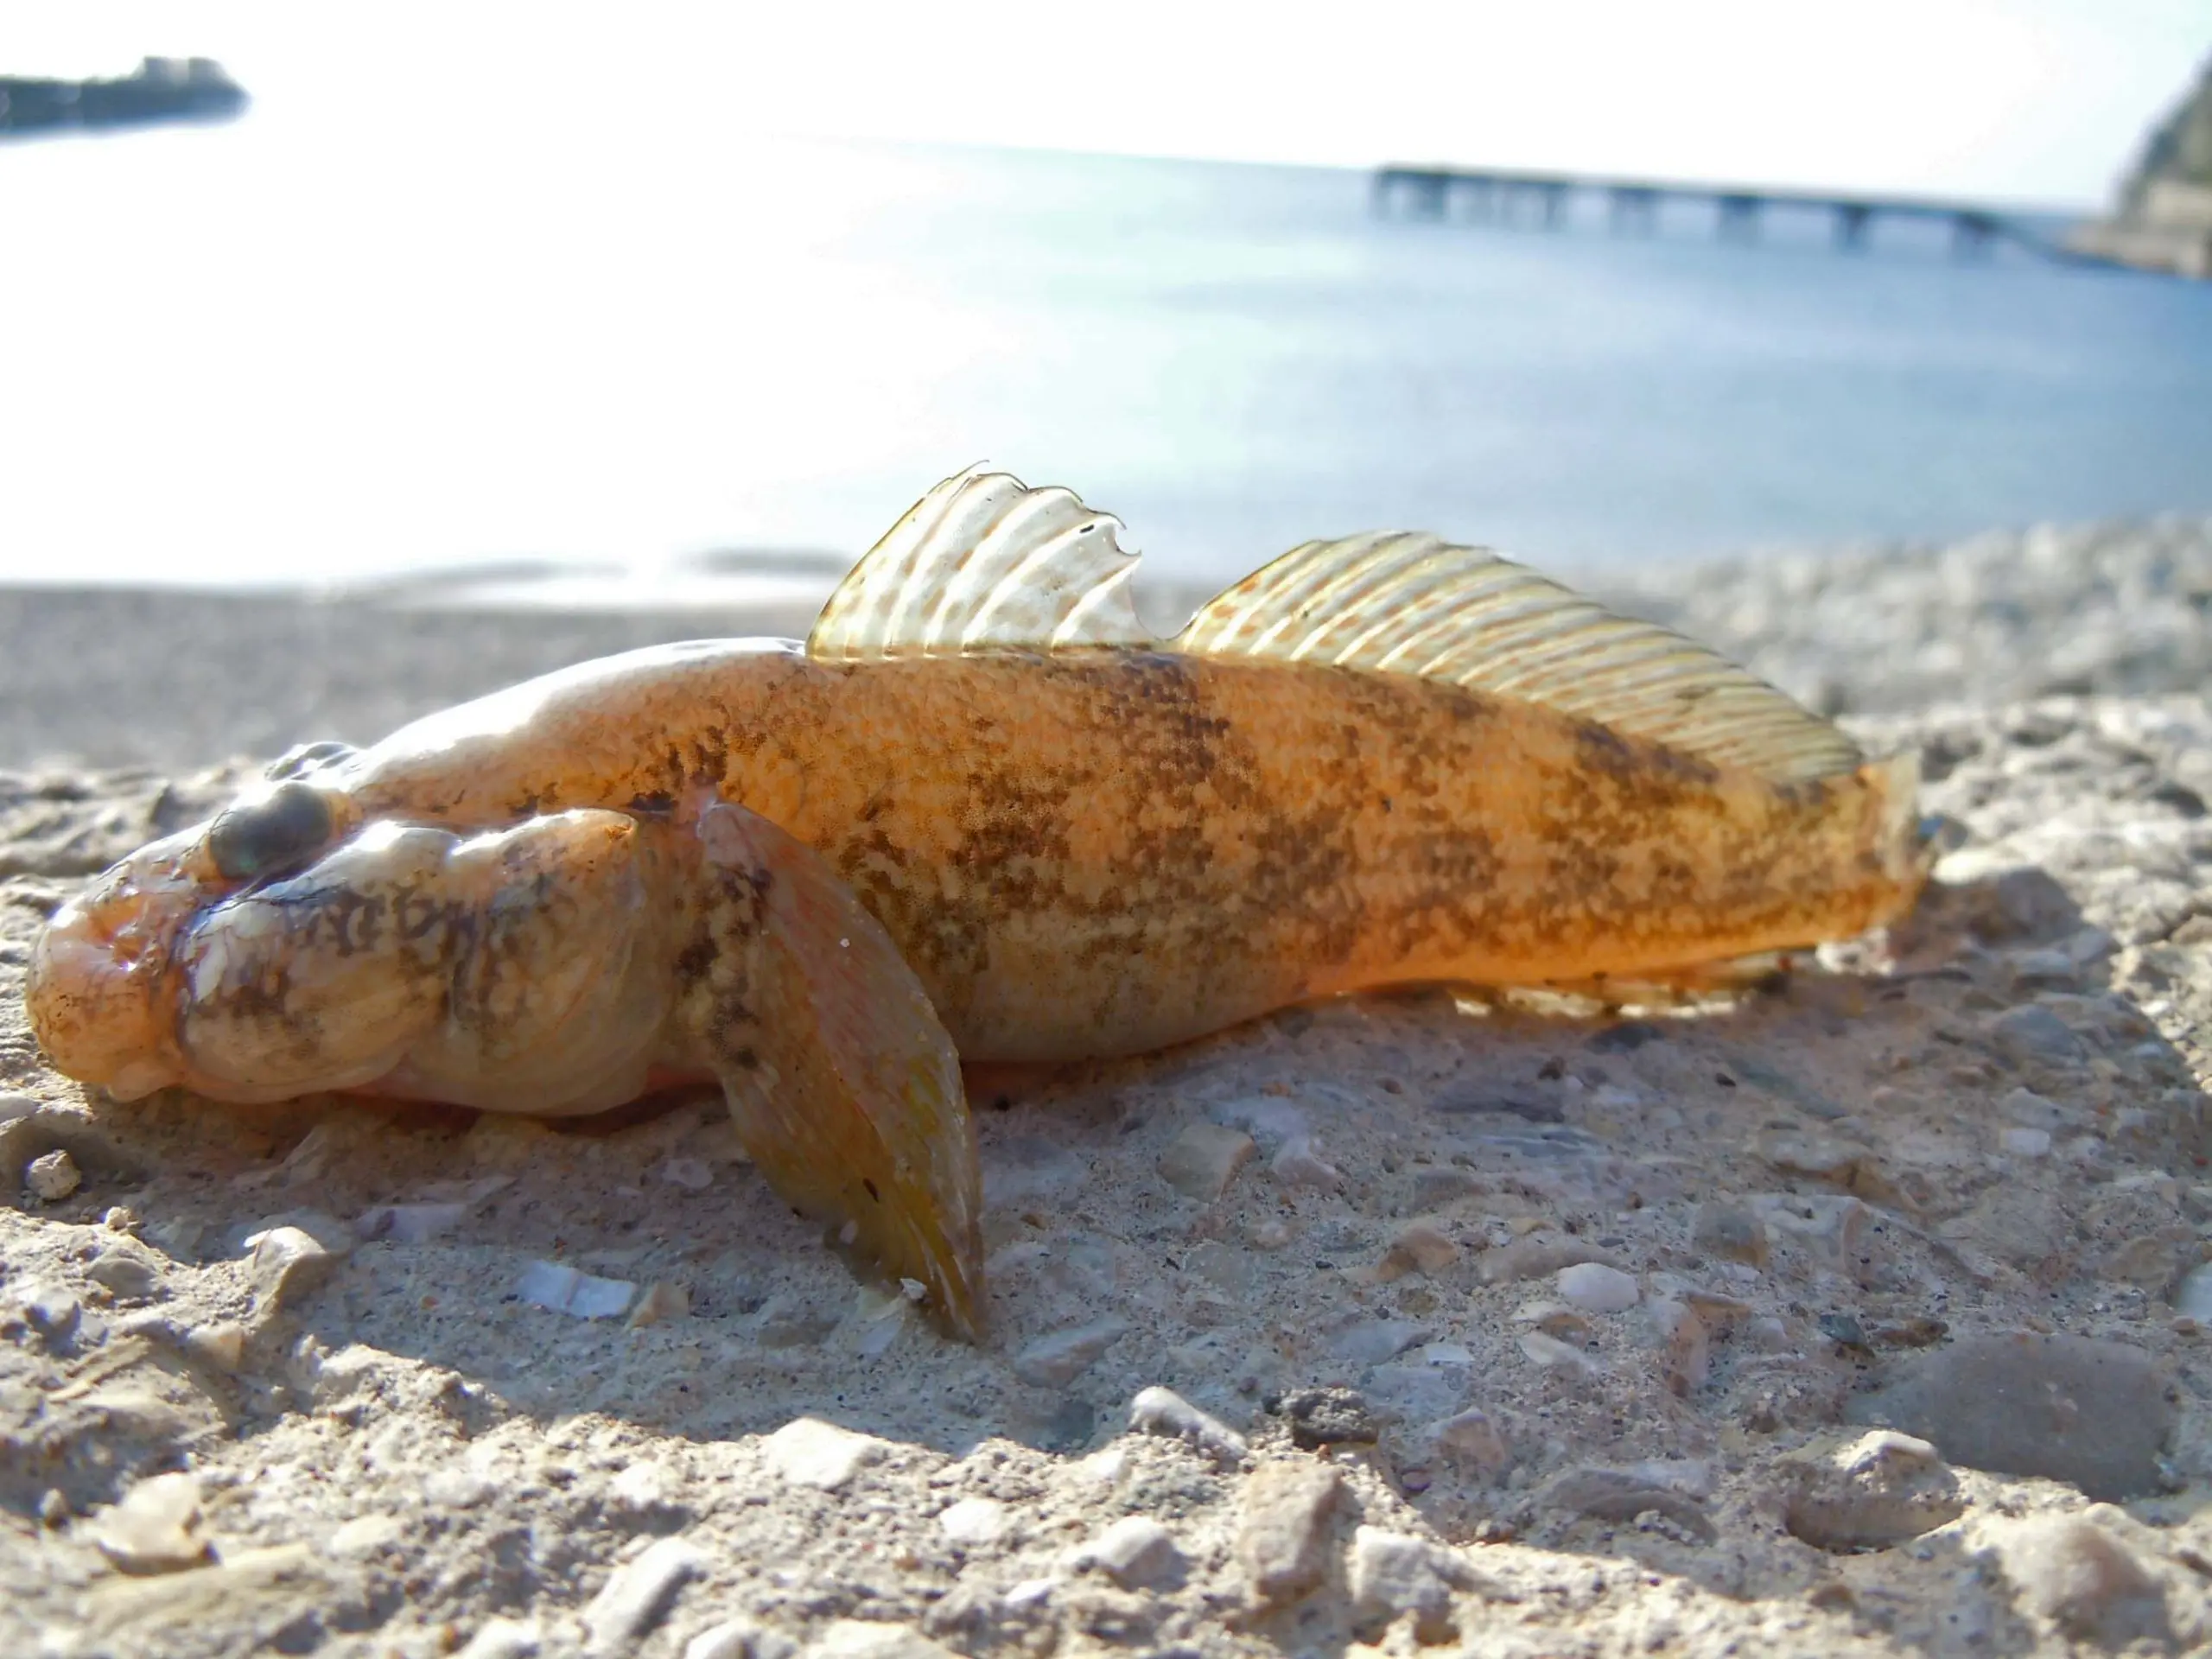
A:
x: 310, y: 346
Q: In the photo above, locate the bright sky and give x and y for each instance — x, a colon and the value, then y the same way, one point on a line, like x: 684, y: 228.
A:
x: 2040, y: 101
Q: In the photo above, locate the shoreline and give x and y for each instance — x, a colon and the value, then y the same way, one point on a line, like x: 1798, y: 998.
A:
x: 186, y: 678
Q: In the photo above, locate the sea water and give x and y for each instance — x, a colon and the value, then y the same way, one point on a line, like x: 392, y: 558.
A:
x: 311, y: 347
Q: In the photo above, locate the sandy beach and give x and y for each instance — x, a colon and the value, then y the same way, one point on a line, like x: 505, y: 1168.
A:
x: 1870, y: 1316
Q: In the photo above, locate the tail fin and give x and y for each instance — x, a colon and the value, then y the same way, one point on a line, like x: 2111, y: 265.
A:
x: 1908, y: 851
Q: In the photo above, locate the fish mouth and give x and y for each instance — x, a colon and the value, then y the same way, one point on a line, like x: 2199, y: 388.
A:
x: 96, y: 992
x: 104, y: 992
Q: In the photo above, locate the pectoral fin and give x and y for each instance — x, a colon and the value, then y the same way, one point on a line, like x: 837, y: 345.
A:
x: 844, y: 1085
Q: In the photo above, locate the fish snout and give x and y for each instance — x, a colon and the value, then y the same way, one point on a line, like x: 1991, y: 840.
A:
x: 98, y: 991
x: 103, y: 993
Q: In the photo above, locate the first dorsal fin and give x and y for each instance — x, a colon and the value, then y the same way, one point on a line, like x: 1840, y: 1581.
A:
x: 1408, y: 603
x: 981, y: 561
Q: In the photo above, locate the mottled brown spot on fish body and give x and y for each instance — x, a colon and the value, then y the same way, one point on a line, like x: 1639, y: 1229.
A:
x: 1102, y: 850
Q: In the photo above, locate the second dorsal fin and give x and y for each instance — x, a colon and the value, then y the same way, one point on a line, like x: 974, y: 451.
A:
x: 1409, y: 603
x: 983, y: 561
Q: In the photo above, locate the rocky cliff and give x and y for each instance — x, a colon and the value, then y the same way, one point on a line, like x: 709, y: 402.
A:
x: 2163, y: 220
x: 2179, y: 151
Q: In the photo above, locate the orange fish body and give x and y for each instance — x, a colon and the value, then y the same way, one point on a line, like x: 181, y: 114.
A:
x: 981, y: 814
x: 1104, y: 851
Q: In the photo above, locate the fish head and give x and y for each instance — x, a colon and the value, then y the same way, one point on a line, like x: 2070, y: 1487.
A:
x: 297, y: 943
x: 110, y: 982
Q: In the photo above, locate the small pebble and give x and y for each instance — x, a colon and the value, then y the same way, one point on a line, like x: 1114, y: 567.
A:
x: 693, y: 1174
x: 2044, y: 969
x: 974, y: 1520
x: 562, y: 1289
x: 2193, y: 1296
x: 1300, y: 1164
x: 2085, y: 1580
x: 1830, y: 1224
x: 1473, y: 1443
x: 52, y: 1176
x: 1691, y: 1476
x: 503, y: 1638
x: 1556, y: 1319
x: 1597, y: 1287
x: 1769, y: 1334
x: 365, y: 1537
x: 643, y: 1486
x: 1268, y: 1233
x: 638, y: 1595
x: 2029, y: 1110
x: 1414, y: 1391
x: 1058, y: 1359
x: 1816, y: 1156
x: 661, y: 1302
x: 1534, y: 1257
x: 858, y: 1638
x: 1135, y: 1550
x: 1685, y: 1347
x: 1282, y: 1534
x: 155, y: 1529
x: 1733, y: 1232
x: 2025, y: 1143
x: 1105, y: 1466
x: 1845, y: 1331
x: 1370, y: 1342
x: 1871, y: 1493
x: 1272, y: 1123
x: 1392, y: 1575
x: 1163, y: 1412
x: 1419, y: 1247
x: 458, y: 1488
x: 1201, y: 1161
x: 808, y: 1452
x: 221, y: 1343
x: 1556, y: 1356
x: 126, y: 1270
x: 410, y: 1223
x: 2033, y: 1033
x: 1326, y: 1417
x: 287, y: 1264
x: 1606, y: 1494
x: 53, y: 1310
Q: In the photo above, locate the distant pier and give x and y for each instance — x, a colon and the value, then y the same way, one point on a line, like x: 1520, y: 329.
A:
x: 1501, y: 196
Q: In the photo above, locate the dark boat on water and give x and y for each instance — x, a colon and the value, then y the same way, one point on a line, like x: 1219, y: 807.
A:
x: 162, y: 89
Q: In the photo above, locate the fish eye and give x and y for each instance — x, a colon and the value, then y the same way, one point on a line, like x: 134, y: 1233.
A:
x: 253, y: 838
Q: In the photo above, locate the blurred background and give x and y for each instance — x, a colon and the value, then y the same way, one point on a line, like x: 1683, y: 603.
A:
x: 513, y: 304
